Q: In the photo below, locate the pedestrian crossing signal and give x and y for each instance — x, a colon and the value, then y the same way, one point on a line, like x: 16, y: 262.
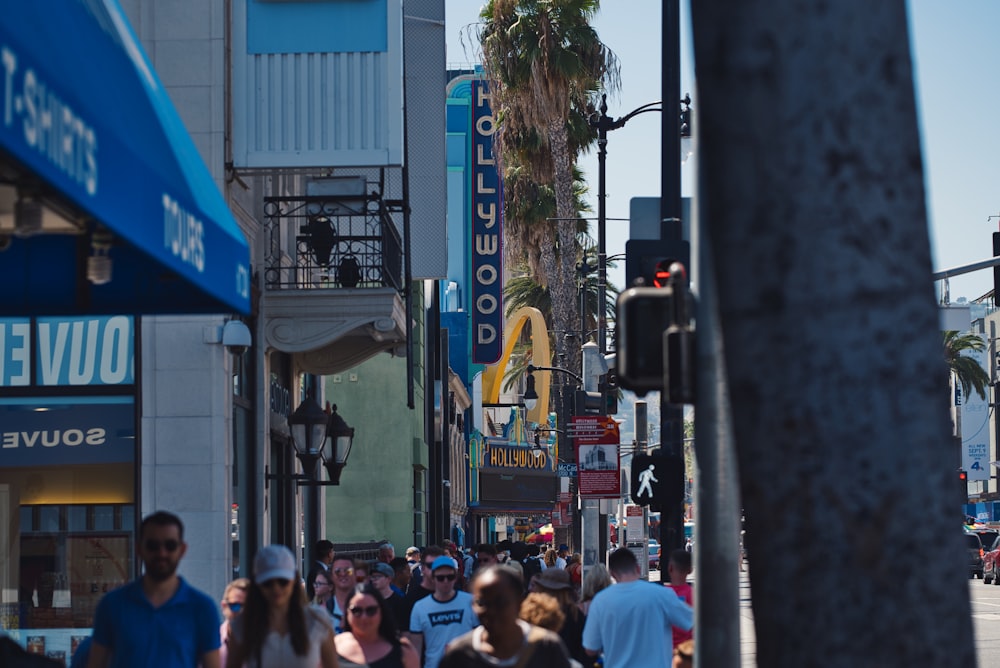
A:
x: 657, y: 479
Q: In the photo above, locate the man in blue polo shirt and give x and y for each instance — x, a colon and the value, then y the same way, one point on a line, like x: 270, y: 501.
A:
x: 159, y: 619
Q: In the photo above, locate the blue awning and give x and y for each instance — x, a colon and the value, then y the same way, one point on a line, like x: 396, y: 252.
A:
x: 87, y: 129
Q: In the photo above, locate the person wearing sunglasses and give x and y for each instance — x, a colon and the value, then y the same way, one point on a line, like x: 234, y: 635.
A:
x: 371, y: 638
x: 159, y: 619
x: 381, y: 578
x: 233, y: 599
x: 441, y: 617
x: 278, y: 628
x: 342, y: 576
x: 322, y: 592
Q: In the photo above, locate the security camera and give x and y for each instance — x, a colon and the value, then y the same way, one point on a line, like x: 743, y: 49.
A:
x: 236, y: 337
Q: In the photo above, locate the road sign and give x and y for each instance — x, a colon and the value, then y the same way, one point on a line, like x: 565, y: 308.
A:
x: 567, y: 470
x: 594, y: 430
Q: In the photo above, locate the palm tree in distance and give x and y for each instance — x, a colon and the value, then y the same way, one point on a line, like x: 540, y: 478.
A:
x: 543, y: 61
x: 966, y: 370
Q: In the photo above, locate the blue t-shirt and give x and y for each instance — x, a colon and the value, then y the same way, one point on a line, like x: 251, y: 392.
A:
x: 630, y: 622
x: 175, y: 634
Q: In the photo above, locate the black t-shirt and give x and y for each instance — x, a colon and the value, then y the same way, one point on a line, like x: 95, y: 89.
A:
x: 413, y: 594
x: 400, y: 611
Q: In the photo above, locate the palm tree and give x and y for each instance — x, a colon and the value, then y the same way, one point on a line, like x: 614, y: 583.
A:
x: 543, y: 60
x: 966, y: 370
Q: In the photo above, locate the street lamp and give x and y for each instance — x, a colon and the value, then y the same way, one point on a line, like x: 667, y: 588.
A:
x: 318, y: 436
x: 337, y: 445
x: 530, y: 394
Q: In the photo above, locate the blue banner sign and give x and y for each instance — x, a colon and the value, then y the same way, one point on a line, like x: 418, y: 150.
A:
x: 62, y: 432
x: 487, y: 233
x: 75, y: 351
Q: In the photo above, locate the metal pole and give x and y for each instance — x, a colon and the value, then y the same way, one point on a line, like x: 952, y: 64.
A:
x: 671, y: 415
x: 716, y: 551
x: 641, y: 444
x: 602, y: 257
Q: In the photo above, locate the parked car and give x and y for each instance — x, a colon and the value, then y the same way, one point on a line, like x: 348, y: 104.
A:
x: 991, y: 562
x: 654, y: 555
x: 986, y: 537
x: 975, y: 549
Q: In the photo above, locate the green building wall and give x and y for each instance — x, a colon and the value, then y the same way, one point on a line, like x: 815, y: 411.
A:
x: 381, y: 491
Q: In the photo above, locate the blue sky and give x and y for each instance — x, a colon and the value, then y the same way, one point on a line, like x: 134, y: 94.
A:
x: 956, y: 56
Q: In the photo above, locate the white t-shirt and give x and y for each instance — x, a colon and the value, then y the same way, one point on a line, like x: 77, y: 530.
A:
x: 277, y: 651
x: 441, y: 622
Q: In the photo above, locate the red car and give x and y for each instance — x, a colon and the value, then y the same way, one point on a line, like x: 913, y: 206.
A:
x: 991, y: 558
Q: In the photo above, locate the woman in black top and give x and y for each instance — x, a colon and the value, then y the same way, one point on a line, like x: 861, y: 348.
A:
x: 370, y: 637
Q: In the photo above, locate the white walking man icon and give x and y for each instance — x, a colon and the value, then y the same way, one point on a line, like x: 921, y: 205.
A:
x: 645, y: 478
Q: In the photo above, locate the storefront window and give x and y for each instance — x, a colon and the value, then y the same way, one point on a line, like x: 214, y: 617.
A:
x: 67, y: 475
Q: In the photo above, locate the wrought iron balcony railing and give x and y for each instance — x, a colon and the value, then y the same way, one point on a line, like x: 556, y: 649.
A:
x: 322, y: 241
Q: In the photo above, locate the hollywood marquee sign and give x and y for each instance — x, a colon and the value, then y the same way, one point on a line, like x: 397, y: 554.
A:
x: 487, y: 233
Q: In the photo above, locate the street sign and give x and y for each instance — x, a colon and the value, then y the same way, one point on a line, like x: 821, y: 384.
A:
x: 567, y: 470
x: 594, y: 430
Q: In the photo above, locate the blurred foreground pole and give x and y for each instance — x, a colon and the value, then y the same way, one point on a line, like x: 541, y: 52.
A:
x: 716, y: 548
x: 811, y: 189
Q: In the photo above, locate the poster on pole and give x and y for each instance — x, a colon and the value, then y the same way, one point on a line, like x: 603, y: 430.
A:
x: 635, y: 529
x: 597, y: 456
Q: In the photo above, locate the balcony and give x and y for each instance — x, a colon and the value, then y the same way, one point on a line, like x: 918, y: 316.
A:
x: 334, y: 287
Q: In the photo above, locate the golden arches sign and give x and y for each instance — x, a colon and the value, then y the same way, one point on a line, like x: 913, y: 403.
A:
x: 540, y: 356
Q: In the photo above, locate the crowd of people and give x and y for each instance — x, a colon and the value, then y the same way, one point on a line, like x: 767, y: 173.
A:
x: 505, y: 604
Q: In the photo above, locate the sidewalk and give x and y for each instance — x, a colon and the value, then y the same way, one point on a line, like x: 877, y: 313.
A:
x: 748, y: 635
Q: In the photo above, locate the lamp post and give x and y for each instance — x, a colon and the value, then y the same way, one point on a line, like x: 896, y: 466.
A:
x: 308, y: 427
x: 317, y: 436
x: 564, y: 411
x: 604, y: 124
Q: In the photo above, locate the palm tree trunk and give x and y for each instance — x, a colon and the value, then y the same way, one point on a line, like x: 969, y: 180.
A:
x: 562, y: 286
x: 812, y: 190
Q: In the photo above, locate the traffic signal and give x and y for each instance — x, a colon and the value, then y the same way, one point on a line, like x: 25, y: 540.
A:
x: 963, y: 480
x: 655, y: 337
x: 609, y: 390
x: 647, y: 261
x: 657, y: 480
x: 643, y: 314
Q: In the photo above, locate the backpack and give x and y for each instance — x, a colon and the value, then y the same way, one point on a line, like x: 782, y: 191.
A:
x: 531, y: 568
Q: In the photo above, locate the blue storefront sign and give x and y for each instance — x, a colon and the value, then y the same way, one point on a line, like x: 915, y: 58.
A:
x: 83, y: 114
x: 66, y: 431
x: 80, y: 351
x: 487, y: 233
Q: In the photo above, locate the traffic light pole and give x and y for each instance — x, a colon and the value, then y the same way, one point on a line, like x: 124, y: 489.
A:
x: 671, y: 415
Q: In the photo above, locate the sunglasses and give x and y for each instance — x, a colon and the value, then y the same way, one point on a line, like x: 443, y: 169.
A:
x: 168, y: 545
x: 234, y: 607
x: 281, y: 582
x: 343, y: 571
x: 367, y: 611
x: 321, y: 583
x: 428, y: 564
x: 444, y: 578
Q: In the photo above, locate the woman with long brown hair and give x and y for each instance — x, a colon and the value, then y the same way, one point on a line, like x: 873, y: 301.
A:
x: 278, y: 628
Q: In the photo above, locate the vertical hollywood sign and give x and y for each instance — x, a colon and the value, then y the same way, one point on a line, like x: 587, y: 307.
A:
x: 487, y: 233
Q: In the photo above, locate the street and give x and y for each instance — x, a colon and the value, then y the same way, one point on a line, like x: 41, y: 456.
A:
x: 985, y: 618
